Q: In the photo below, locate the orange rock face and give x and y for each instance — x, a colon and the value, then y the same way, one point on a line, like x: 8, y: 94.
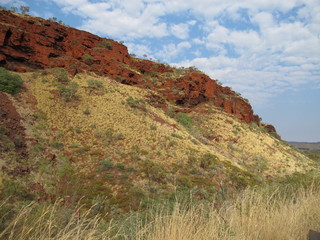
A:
x: 28, y: 43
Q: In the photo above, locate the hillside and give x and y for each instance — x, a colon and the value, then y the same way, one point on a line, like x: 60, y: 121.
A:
x: 96, y: 125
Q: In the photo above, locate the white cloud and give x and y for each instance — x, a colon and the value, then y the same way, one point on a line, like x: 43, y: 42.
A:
x: 139, y: 49
x: 180, y: 31
x: 192, y: 22
x: 170, y: 51
x: 125, y: 19
x: 263, y: 19
x: 16, y: 3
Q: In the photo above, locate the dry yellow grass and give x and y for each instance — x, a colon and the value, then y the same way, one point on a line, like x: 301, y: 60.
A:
x: 248, y: 145
x: 254, y: 215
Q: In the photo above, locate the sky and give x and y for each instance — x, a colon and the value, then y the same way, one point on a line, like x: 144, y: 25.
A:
x: 267, y: 50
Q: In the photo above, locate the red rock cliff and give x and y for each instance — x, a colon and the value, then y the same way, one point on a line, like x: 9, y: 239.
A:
x: 28, y: 43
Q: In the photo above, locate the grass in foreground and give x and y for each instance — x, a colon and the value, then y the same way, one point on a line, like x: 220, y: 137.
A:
x: 255, y: 214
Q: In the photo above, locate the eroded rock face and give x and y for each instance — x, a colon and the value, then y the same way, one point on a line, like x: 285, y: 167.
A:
x: 28, y: 43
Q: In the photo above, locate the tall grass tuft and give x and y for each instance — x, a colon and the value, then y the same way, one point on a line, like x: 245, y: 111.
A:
x: 55, y: 221
x: 283, y: 213
x: 254, y: 215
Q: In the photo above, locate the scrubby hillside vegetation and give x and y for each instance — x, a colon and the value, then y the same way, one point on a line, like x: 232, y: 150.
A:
x: 109, y: 146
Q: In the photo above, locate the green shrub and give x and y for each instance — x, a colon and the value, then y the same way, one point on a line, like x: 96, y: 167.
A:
x: 136, y: 103
x: 184, y: 120
x: 207, y: 160
x: 88, y: 59
x: 94, y: 85
x: 120, y: 166
x: 176, y: 135
x: 106, y: 165
x: 3, y: 129
x: 170, y: 112
x: 153, y: 171
x: 15, y: 190
x: 106, y: 44
x: 10, y: 83
x: 153, y: 127
x: 57, y: 145
x: 68, y: 91
x: 86, y: 111
x: 118, y: 136
x: 61, y: 75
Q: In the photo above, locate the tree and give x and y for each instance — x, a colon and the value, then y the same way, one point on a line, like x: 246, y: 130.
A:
x: 14, y: 9
x: 24, y: 10
x: 53, y: 19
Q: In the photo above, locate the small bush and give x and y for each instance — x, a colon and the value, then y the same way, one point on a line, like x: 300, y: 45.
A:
x: 57, y: 145
x: 153, y: 127
x: 118, y: 136
x: 106, y: 165
x: 94, y: 85
x: 136, y: 103
x: 15, y: 190
x: 86, y: 111
x: 184, y: 120
x: 68, y: 91
x: 10, y: 83
x: 88, y: 59
x: 61, y: 75
x: 153, y: 171
x: 120, y: 166
x: 106, y: 44
x: 176, y: 135
x: 170, y: 112
x: 207, y: 160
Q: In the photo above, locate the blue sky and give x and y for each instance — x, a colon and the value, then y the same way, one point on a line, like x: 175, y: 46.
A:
x: 268, y: 50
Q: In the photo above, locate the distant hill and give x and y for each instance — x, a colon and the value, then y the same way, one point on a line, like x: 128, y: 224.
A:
x: 315, y: 147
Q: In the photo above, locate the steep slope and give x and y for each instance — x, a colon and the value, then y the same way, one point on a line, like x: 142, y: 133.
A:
x: 109, y: 141
x: 109, y: 126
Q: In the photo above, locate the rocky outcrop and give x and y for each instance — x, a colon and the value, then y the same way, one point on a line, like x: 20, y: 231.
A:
x: 28, y: 43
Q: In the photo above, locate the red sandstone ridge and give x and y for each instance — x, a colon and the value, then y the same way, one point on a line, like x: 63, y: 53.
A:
x: 29, y: 43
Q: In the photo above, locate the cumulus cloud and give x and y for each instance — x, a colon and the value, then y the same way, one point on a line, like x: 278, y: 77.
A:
x: 180, y: 31
x: 119, y: 19
x: 139, y: 49
x: 171, y: 50
x: 15, y: 3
